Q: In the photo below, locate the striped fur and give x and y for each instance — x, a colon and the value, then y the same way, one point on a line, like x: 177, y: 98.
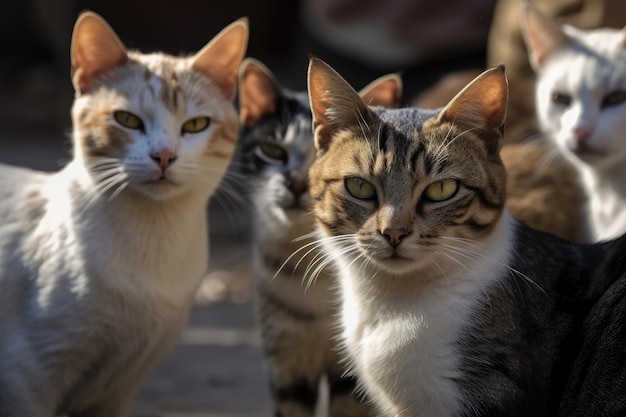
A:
x: 295, y: 304
x: 449, y: 306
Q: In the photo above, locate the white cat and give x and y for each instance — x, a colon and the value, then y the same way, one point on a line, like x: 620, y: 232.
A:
x: 581, y: 106
x: 99, y: 261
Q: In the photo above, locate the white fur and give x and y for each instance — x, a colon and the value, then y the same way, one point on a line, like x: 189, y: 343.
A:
x: 401, y: 330
x: 96, y: 285
x: 587, y: 79
x: 105, y: 287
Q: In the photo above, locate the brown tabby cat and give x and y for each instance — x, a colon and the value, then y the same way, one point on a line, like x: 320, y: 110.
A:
x: 449, y: 306
x: 543, y: 188
x: 295, y: 315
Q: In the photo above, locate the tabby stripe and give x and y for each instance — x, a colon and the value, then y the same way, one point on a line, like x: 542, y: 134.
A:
x: 429, y: 164
x: 333, y: 227
x: 415, y: 156
x: 318, y: 198
x: 482, y: 198
x: 382, y: 138
x: 471, y: 223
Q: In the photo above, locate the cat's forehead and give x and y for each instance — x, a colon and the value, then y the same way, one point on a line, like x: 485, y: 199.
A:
x: 159, y: 64
x: 405, y: 121
x: 149, y: 80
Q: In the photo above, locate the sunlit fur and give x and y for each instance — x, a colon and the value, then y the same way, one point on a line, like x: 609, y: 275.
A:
x: 99, y: 261
x: 164, y: 92
x: 294, y: 300
x: 391, y: 293
x: 585, y: 67
x: 453, y: 308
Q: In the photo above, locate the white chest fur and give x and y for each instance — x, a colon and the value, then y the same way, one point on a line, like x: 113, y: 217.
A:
x: 401, y: 334
x: 102, y: 291
x: 607, y: 203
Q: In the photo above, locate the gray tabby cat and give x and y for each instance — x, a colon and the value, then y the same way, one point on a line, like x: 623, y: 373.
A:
x: 581, y: 107
x: 294, y: 300
x: 449, y: 306
x: 99, y: 261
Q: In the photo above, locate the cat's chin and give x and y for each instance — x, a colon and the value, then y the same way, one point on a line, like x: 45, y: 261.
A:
x: 398, y: 265
x: 159, y: 190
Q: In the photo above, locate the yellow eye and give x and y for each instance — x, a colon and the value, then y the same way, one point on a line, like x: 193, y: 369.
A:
x: 195, y: 125
x: 441, y: 190
x: 127, y: 119
x: 360, y: 188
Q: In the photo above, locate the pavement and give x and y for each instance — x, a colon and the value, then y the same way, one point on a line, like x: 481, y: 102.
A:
x: 216, y: 369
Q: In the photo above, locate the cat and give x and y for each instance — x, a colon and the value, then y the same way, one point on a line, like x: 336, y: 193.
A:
x: 99, y: 261
x: 449, y: 306
x: 295, y: 318
x: 581, y: 107
x: 543, y: 189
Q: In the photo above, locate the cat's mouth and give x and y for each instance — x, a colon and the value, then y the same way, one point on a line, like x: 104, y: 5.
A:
x: 585, y: 151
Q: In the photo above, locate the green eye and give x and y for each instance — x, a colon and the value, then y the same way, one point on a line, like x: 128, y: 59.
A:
x: 360, y: 188
x: 127, y: 119
x: 441, y: 190
x: 613, y: 99
x: 561, y: 98
x: 195, y: 125
x: 272, y: 153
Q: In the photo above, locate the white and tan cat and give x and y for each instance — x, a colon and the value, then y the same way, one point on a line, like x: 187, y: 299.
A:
x: 581, y: 107
x: 99, y: 261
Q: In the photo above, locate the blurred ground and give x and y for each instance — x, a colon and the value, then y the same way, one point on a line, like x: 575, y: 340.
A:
x: 216, y: 369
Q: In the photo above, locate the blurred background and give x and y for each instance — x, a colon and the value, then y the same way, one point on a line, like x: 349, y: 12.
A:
x: 217, y: 368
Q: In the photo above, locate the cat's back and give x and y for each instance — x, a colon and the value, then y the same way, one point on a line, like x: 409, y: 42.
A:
x: 21, y: 191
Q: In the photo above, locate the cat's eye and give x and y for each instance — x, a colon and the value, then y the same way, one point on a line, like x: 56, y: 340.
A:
x: 360, y: 188
x: 272, y: 153
x: 562, y: 99
x: 195, y: 125
x: 441, y: 190
x: 613, y: 99
x: 129, y: 120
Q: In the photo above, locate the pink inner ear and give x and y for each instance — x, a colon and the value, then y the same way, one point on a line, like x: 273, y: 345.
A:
x: 95, y: 49
x: 257, y: 96
x: 219, y: 60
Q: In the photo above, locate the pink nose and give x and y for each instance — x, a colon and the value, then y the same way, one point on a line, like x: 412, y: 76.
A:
x: 582, y: 135
x: 163, y: 158
x: 395, y: 236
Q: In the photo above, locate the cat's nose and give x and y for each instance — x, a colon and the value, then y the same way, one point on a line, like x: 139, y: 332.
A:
x: 297, y: 187
x: 395, y: 236
x: 582, y: 135
x: 163, y: 158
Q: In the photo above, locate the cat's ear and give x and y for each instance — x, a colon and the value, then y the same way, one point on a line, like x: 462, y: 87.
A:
x: 258, y: 92
x: 95, y: 48
x: 384, y: 91
x: 481, y: 106
x: 542, y: 35
x: 219, y: 60
x: 335, y: 105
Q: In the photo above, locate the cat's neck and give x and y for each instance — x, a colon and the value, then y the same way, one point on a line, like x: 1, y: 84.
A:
x: 416, y: 321
x: 606, y: 191
x: 166, y: 240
